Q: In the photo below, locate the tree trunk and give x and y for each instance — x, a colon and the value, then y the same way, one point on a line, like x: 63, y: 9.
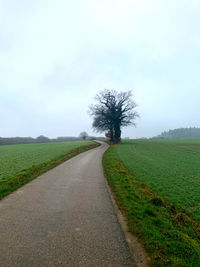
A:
x: 117, y: 136
x: 111, y: 135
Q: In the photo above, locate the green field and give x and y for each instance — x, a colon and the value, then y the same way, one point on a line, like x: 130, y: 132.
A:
x: 183, y: 141
x: 157, y: 186
x: 170, y: 167
x: 14, y: 158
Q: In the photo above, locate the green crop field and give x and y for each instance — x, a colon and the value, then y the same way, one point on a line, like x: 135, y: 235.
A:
x: 170, y: 167
x: 183, y: 141
x: 157, y: 186
x: 14, y: 158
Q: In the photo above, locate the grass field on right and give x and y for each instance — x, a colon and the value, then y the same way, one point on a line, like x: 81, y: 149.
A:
x: 170, y: 167
x: 157, y: 187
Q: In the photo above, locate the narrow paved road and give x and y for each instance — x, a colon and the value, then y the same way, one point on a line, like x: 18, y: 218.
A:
x: 63, y: 218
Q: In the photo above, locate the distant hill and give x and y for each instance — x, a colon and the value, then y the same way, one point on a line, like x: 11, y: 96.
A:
x: 191, y: 132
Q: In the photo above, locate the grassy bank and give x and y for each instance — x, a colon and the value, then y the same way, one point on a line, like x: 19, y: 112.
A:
x: 169, y: 233
x: 47, y: 161
x: 169, y: 167
x: 14, y: 158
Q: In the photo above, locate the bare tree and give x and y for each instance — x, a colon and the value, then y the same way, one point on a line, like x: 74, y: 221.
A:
x: 113, y: 111
x: 84, y: 135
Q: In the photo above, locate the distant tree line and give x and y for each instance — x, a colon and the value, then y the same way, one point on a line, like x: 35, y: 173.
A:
x: 31, y: 140
x: 43, y: 139
x: 191, y: 132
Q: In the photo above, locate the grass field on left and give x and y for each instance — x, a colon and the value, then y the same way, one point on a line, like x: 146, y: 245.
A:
x: 20, y: 164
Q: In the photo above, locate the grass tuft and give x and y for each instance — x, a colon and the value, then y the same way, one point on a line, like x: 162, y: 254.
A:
x: 156, y: 201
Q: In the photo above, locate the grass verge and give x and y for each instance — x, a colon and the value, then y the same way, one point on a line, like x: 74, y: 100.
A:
x: 27, y: 175
x: 169, y: 235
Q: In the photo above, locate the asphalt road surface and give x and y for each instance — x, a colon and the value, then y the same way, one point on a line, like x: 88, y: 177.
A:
x: 63, y: 218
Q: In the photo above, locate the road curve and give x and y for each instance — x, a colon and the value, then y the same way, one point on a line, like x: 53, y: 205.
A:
x: 63, y: 218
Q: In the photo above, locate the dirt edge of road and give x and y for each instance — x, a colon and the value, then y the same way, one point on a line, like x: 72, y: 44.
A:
x: 138, y: 253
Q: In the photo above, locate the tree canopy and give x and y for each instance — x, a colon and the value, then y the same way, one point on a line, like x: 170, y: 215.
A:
x: 113, y: 111
x: 84, y: 135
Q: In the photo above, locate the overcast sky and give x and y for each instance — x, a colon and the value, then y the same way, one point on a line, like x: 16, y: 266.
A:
x: 56, y: 55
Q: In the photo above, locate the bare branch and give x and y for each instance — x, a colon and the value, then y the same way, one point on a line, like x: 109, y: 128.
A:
x: 113, y: 111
